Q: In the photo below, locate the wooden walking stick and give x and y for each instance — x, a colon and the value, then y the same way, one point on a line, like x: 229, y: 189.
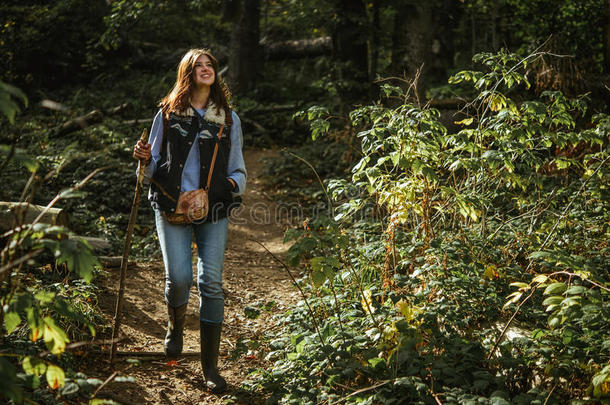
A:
x: 126, y: 248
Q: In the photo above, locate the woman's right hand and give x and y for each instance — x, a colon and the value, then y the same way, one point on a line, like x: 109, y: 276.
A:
x: 141, y: 151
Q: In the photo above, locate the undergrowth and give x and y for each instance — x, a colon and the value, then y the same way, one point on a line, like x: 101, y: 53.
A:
x: 466, y: 267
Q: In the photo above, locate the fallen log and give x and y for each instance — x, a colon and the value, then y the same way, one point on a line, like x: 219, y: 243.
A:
x: 271, y: 108
x: 13, y: 214
x: 138, y: 121
x: 97, y: 244
x: 110, y: 262
x: 296, y: 49
x: 92, y: 117
x: 454, y: 103
x: 124, y: 353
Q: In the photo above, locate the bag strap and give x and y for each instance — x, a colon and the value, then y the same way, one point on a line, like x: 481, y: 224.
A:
x: 229, y: 122
x: 214, y: 157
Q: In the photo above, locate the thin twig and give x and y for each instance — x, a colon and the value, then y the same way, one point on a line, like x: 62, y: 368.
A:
x: 17, y: 262
x: 164, y: 396
x: 110, y: 378
x: 330, y: 204
x: 313, y: 317
x: 499, y: 339
x: 550, y: 393
x: 360, y: 391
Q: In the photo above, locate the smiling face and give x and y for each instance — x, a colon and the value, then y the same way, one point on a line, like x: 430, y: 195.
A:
x: 203, y: 72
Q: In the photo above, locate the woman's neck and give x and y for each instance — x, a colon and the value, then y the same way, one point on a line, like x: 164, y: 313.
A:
x: 200, y: 97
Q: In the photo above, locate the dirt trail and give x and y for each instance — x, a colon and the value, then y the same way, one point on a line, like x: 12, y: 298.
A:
x: 251, y: 278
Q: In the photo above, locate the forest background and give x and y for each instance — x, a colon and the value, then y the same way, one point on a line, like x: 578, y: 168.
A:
x: 450, y: 158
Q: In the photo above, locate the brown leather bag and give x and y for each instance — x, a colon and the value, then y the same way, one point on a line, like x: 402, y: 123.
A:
x: 193, y: 205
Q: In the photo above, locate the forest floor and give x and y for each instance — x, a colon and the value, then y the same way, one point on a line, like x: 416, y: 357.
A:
x: 251, y: 278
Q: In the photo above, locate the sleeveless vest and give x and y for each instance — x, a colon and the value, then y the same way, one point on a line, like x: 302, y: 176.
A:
x: 179, y: 134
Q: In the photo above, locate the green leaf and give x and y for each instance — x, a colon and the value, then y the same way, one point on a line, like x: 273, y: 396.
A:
x: 555, y: 300
x: 11, y: 321
x: 541, y: 255
x: 71, y: 193
x: 576, y: 290
x: 376, y: 361
x: 44, y: 297
x: 555, y: 288
x: 9, y: 386
x: 54, y: 337
x: 300, y: 346
x: 540, y: 279
x: 251, y: 312
x: 8, y: 107
x: 316, y: 263
x: 430, y: 174
x: 318, y: 277
x: 78, y: 256
x: 70, y: 388
x: 33, y: 365
x: 56, y: 378
x: 600, y: 378
x: 554, y: 322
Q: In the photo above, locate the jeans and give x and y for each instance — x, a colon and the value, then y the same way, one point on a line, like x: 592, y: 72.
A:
x: 211, y: 240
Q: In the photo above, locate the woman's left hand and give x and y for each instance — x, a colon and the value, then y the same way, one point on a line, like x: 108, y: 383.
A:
x: 141, y: 151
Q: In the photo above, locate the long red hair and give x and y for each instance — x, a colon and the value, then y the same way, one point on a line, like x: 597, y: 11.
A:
x: 179, y: 98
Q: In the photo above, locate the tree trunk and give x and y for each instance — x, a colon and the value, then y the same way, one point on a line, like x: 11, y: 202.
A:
x: 375, y: 28
x: 350, y: 49
x: 412, y: 42
x: 607, y: 40
x: 245, y: 59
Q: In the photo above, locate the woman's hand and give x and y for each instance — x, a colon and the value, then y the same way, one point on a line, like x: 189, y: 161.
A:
x: 141, y: 151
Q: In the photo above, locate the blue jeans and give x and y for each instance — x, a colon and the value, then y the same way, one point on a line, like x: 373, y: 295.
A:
x: 211, y: 240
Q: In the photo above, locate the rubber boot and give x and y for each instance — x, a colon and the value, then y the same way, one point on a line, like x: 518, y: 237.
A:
x: 175, y: 325
x: 210, y: 343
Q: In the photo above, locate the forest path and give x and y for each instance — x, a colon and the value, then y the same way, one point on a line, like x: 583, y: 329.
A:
x: 251, y: 277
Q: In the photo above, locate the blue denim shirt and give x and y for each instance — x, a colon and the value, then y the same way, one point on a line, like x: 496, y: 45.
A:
x: 190, y: 174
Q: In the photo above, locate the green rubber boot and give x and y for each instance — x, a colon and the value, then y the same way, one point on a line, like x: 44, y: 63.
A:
x: 175, y: 325
x: 210, y: 344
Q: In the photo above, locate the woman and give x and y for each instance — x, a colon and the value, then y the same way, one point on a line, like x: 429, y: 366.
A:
x: 194, y: 118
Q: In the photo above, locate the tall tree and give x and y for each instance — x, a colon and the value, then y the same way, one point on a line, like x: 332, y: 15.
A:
x: 349, y: 34
x: 245, y: 61
x: 607, y: 40
x: 412, y: 41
